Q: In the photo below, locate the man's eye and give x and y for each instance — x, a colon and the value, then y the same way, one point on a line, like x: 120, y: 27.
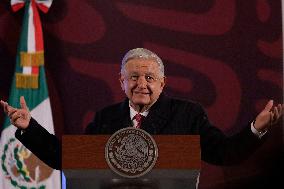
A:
x: 134, y: 77
x: 149, y: 78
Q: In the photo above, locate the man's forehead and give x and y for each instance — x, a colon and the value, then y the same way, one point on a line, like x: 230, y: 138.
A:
x: 141, y: 63
x: 144, y: 68
x: 146, y: 72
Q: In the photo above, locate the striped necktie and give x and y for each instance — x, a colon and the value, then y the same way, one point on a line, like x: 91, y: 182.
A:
x: 139, y: 119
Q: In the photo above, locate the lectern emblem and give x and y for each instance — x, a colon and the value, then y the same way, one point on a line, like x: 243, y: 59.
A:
x: 131, y: 152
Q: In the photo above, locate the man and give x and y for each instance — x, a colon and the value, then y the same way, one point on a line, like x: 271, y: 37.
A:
x: 146, y: 106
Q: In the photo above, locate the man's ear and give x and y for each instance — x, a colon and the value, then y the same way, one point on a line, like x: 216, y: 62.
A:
x: 163, y: 82
x: 121, y: 80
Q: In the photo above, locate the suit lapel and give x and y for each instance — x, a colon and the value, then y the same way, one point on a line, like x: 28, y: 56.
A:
x: 158, y: 116
x: 125, y: 115
x: 119, y: 119
x: 155, y: 121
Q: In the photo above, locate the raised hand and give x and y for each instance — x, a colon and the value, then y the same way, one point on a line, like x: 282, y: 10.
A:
x: 268, y: 116
x: 18, y: 117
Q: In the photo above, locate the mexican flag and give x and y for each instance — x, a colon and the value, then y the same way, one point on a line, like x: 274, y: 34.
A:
x: 19, y: 167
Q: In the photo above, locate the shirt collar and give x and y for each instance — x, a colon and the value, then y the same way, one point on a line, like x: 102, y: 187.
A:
x: 134, y: 112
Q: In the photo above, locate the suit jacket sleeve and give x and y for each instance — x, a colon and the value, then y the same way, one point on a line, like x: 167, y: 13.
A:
x: 91, y: 128
x: 220, y: 149
x: 46, y: 146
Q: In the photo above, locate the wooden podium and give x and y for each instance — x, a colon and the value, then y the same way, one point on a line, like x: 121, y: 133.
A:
x: 84, y: 165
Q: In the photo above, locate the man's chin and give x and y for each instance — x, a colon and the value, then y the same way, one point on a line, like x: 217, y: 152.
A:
x: 140, y: 102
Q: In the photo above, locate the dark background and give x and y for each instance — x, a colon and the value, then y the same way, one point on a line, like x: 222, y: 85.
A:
x: 225, y: 54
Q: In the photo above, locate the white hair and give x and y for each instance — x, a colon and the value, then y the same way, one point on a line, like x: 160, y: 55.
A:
x: 143, y: 54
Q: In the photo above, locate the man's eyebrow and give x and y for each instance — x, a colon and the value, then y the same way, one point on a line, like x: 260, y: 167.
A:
x: 147, y: 73
x: 134, y: 72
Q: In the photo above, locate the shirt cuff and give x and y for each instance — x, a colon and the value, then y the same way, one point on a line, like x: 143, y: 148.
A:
x: 31, y: 123
x: 22, y: 131
x: 257, y: 133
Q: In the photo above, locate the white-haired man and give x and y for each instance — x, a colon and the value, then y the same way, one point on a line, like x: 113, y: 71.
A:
x: 142, y: 79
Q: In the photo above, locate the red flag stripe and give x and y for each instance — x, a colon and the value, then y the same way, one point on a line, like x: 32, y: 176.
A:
x: 35, y: 70
x: 38, y: 28
x: 42, y: 7
x: 17, y: 6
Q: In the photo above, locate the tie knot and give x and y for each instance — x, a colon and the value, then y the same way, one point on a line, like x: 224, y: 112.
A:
x: 138, y: 117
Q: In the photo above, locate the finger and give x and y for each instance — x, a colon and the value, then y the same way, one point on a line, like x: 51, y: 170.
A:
x: 9, y: 108
x: 275, y: 114
x: 280, y: 109
x: 23, y: 113
x: 11, y: 111
x: 14, y: 119
x: 271, y: 119
x: 5, y: 105
x: 23, y: 103
x: 269, y: 105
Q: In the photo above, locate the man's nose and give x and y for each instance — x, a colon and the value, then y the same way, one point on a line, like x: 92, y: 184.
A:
x: 141, y: 82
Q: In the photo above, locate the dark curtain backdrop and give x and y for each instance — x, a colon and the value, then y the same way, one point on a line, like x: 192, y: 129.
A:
x: 225, y: 54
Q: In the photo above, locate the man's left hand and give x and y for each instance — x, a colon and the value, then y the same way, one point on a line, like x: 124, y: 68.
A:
x: 268, y: 116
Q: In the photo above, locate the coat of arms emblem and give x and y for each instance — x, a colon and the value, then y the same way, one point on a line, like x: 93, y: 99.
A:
x: 131, y: 152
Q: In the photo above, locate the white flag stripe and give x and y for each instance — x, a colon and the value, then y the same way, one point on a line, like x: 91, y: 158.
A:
x: 42, y: 113
x: 27, y: 70
x: 31, y: 32
x: 7, y: 133
x: 13, y: 2
x: 46, y: 3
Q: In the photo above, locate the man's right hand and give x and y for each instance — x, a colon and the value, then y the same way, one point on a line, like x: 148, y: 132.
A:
x: 18, y: 117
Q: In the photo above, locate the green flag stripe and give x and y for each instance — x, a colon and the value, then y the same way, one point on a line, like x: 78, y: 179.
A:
x: 32, y: 96
x: 23, y: 45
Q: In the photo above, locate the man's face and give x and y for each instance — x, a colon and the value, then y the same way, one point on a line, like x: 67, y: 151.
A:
x: 142, y: 82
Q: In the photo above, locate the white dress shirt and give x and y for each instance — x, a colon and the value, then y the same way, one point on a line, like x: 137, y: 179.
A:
x: 134, y: 112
